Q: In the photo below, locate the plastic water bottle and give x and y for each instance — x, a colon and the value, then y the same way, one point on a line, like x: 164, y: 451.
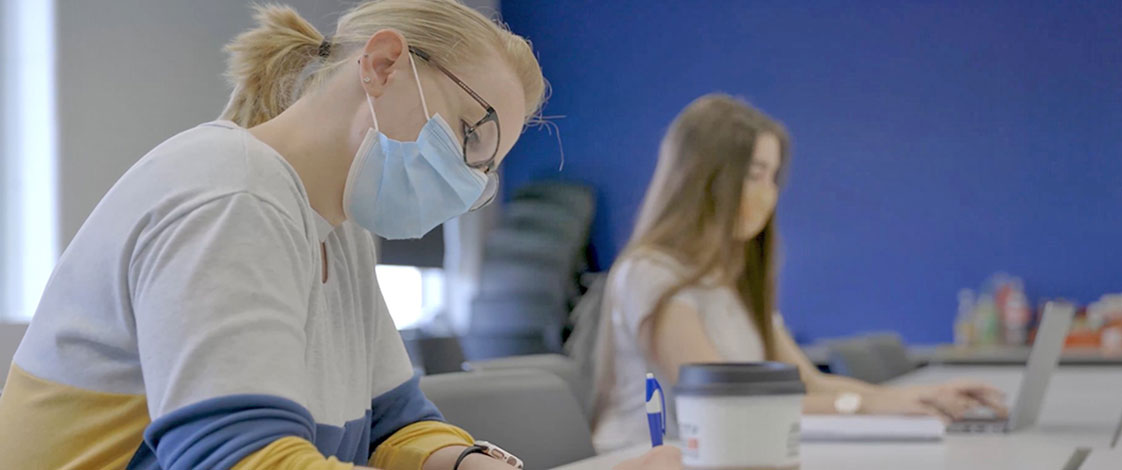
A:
x: 987, y: 323
x: 1015, y: 314
x: 964, y: 321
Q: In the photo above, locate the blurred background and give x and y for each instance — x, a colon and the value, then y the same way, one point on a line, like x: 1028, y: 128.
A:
x: 955, y: 162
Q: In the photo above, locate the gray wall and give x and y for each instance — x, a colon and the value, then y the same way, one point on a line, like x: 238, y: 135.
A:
x: 132, y: 73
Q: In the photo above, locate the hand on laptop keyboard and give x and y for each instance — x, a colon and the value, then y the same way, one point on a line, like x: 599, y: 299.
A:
x: 958, y: 399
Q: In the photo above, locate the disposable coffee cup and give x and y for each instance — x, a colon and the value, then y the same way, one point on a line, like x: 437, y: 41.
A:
x: 739, y: 416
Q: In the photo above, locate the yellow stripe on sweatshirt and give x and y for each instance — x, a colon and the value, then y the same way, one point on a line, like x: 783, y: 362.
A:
x: 48, y: 425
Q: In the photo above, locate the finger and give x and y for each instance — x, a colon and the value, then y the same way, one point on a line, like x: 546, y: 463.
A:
x: 932, y: 410
x: 994, y: 401
x: 663, y: 457
x: 997, y: 404
x: 924, y: 407
x: 974, y: 387
x: 962, y: 404
x: 666, y: 452
x: 953, y: 405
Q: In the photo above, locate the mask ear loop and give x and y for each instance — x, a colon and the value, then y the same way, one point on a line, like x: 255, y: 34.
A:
x: 369, y: 100
x: 420, y: 90
x: 370, y: 103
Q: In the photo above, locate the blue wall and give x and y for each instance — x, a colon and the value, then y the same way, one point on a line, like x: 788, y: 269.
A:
x: 935, y: 142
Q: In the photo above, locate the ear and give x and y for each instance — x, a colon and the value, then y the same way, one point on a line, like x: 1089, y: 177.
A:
x: 381, y: 58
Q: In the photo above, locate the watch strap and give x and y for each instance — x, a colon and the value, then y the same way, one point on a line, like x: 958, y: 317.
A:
x: 474, y: 449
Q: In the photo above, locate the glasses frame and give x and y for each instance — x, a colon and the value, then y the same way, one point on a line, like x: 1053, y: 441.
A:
x: 487, y: 166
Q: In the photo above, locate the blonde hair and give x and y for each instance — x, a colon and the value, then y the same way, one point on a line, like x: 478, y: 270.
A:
x: 692, y: 212
x: 279, y: 60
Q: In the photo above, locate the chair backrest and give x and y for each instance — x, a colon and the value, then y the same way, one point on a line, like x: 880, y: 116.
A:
x: 581, y: 344
x: 501, y: 277
x: 482, y: 346
x: 556, y: 364
x: 530, y: 247
x: 514, y: 325
x: 545, y: 216
x: 516, y: 313
x: 10, y: 336
x: 441, y: 354
x: 856, y: 358
x: 892, y: 353
x: 530, y: 413
x: 577, y: 198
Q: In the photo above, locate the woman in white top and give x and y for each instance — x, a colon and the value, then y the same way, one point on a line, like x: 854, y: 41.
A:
x: 696, y: 282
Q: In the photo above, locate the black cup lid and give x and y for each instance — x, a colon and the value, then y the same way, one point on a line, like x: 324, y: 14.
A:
x: 739, y: 378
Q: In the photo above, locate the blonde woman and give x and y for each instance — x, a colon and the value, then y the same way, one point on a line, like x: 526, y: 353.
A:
x: 219, y: 307
x: 696, y: 281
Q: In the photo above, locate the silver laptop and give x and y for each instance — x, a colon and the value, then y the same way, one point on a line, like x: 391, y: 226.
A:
x: 1045, y: 355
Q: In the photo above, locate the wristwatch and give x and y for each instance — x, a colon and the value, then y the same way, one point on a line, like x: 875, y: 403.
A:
x: 847, y: 403
x: 490, y: 450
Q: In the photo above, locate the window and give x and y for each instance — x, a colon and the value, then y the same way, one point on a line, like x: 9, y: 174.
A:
x: 28, y: 141
x: 414, y: 295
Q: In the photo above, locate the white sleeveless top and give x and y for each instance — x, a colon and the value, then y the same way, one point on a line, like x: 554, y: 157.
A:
x: 637, y: 284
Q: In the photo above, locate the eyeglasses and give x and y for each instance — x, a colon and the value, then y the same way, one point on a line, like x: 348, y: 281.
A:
x: 481, y: 140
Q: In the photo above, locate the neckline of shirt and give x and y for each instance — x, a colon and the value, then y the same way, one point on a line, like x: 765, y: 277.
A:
x: 323, y: 227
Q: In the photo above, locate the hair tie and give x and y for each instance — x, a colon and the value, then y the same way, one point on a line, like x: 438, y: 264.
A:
x: 325, y: 48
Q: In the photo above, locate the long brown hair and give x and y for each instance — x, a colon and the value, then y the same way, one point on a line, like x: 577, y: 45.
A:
x: 692, y: 212
x: 692, y: 206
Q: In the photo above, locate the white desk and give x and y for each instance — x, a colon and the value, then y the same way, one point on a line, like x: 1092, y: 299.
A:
x: 1082, y: 407
x: 1103, y: 460
x: 943, y: 354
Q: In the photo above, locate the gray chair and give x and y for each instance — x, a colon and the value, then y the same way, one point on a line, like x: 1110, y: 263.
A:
x: 556, y: 364
x: 856, y: 358
x: 578, y: 199
x: 480, y: 346
x: 892, y: 353
x: 546, y: 217
x: 580, y: 346
x: 514, y: 324
x: 530, y: 246
x: 530, y: 413
x: 517, y: 313
x: 500, y: 278
x: 441, y: 354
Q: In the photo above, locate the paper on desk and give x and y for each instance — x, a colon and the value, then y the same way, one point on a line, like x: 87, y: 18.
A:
x: 836, y: 428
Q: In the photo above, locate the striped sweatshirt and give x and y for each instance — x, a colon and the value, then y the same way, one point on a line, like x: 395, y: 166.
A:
x: 188, y: 325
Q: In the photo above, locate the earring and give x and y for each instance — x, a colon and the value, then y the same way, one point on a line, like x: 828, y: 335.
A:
x: 365, y: 79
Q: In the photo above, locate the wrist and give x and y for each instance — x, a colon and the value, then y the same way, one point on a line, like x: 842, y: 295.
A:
x: 849, y: 403
x: 479, y: 456
x: 443, y: 458
x: 476, y: 461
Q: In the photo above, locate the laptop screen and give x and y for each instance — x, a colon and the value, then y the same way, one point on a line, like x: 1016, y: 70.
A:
x: 1045, y: 355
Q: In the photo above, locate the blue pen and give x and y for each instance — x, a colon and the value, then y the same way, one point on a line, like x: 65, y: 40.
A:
x: 656, y: 410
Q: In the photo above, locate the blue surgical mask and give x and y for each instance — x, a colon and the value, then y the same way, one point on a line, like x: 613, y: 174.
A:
x: 403, y: 190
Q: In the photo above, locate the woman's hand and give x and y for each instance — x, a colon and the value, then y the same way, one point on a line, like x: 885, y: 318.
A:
x: 664, y: 457
x: 949, y: 401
